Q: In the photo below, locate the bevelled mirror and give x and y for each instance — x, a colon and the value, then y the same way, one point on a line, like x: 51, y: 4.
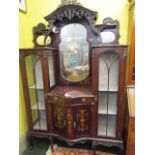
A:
x: 74, y: 52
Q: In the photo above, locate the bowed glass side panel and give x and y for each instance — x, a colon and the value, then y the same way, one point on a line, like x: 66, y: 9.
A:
x: 51, y: 69
x: 36, y: 91
x: 108, y: 88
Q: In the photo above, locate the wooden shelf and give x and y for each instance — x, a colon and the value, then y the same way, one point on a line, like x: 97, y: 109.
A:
x: 37, y: 87
x: 103, y: 109
x: 112, y: 105
x: 111, y: 128
x: 112, y: 89
x: 41, y: 106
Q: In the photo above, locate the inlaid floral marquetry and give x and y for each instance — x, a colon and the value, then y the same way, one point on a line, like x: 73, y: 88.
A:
x: 59, y: 113
x: 69, y: 121
x: 58, y: 118
x: 83, y: 119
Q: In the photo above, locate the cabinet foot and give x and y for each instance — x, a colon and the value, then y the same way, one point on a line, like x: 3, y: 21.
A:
x: 30, y: 138
x: 51, y: 142
x: 94, y: 147
x: 121, y: 149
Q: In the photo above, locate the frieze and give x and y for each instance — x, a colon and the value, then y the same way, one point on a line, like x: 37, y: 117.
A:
x: 69, y: 12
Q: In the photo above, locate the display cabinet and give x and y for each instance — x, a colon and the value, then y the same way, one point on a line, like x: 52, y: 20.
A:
x: 74, y: 78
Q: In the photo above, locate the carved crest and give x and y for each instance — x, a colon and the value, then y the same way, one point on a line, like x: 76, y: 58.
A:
x: 70, y: 12
x: 69, y: 2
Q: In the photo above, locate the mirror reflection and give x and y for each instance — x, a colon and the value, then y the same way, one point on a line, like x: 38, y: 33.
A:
x: 74, y: 52
x: 107, y: 36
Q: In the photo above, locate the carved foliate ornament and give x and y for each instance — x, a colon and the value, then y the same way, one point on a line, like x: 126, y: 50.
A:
x: 83, y: 119
x: 69, y: 121
x: 69, y: 2
x: 70, y: 11
x: 41, y: 35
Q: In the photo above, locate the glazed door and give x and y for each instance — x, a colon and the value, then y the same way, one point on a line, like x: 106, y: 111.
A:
x: 110, y: 86
x: 32, y: 73
x: 38, y: 77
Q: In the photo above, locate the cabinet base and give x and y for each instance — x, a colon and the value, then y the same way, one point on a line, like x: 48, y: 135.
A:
x: 94, y: 141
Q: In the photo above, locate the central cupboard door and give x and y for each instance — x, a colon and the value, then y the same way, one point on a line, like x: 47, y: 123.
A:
x: 83, y: 120
x: 72, y: 121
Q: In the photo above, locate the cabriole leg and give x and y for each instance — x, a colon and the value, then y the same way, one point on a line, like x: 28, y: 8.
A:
x: 30, y: 139
x: 94, y: 147
x: 51, y: 142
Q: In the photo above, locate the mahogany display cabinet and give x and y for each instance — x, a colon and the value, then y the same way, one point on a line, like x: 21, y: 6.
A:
x: 74, y: 79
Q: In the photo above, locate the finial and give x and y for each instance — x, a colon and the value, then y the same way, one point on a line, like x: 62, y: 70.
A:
x: 69, y: 2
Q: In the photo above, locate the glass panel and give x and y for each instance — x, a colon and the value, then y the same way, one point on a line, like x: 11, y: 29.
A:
x: 41, y: 123
x: 51, y: 70
x: 74, y: 52
x: 107, y: 103
x: 107, y: 111
x: 108, y: 93
x: 102, y: 125
x: 40, y: 105
x: 107, y: 125
x: 111, y: 126
x: 36, y: 91
x: 108, y: 71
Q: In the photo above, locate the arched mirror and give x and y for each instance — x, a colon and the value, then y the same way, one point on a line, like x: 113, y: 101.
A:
x: 74, y: 52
